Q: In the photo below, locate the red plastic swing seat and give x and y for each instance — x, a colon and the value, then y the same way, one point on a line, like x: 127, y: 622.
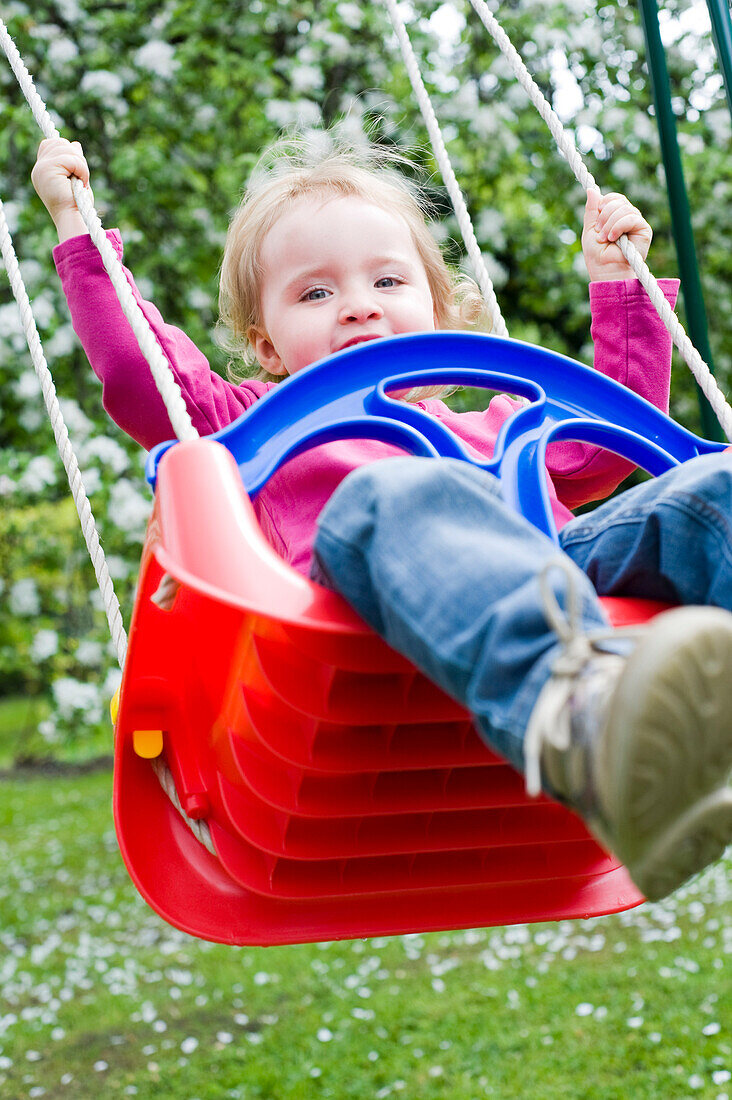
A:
x: 346, y: 795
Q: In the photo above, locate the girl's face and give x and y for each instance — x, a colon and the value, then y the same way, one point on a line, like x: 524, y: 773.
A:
x: 336, y: 272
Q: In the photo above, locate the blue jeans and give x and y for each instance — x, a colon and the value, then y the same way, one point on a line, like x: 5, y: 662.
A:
x: 433, y: 559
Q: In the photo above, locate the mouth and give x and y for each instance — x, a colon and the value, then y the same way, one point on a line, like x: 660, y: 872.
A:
x: 358, y: 340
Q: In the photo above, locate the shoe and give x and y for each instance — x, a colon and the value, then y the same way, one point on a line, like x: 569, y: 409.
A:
x: 641, y: 745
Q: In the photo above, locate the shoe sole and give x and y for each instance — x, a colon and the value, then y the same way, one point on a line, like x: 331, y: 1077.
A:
x: 663, y: 771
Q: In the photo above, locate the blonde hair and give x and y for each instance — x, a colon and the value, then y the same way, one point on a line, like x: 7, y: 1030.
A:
x: 324, y: 163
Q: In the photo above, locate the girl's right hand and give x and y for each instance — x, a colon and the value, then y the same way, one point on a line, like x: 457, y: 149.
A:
x: 58, y: 160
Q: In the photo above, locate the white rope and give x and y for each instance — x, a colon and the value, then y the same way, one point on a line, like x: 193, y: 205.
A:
x: 65, y: 449
x: 448, y: 175
x: 86, y: 517
x: 199, y: 828
x: 703, y: 375
x: 162, y: 374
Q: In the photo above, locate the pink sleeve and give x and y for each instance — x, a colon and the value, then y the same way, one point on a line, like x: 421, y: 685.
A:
x: 632, y: 346
x: 129, y: 393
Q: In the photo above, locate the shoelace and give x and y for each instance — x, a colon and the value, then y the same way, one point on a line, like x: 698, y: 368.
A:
x: 550, y: 718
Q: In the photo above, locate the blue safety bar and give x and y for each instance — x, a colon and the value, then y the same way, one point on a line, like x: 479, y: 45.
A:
x: 347, y: 396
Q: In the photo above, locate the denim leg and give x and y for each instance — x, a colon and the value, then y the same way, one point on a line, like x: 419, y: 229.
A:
x: 430, y: 555
x: 667, y: 539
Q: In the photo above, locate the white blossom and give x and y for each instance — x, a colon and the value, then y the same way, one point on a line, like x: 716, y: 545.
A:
x: 49, y: 731
x: 118, y: 567
x: 10, y: 323
x: 111, y: 682
x: 205, y: 116
x: 128, y: 507
x: 62, y: 342
x: 38, y: 475
x: 32, y: 417
x: 490, y: 227
x: 72, y: 695
x: 157, y: 57
x: 44, y: 645
x: 284, y: 114
x: 70, y: 10
x: 23, y: 598
x: 199, y: 299
x: 92, y: 481
x: 61, y: 51
x: 101, y: 83
x: 718, y: 122
x: 76, y: 421
x: 306, y: 78
x: 11, y: 210
x: 339, y: 47
x: 108, y: 451
x: 625, y: 169
x: 351, y: 15
x: 89, y: 653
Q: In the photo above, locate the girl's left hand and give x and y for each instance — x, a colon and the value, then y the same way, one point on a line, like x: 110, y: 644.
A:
x: 608, y: 217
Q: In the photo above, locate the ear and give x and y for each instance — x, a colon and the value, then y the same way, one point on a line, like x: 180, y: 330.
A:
x: 266, y: 352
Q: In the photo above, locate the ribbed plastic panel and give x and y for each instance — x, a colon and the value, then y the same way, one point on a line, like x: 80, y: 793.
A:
x: 346, y: 795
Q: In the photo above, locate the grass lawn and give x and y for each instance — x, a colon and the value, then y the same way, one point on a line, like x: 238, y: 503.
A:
x: 99, y: 998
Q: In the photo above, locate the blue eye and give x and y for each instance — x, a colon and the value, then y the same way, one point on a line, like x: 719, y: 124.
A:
x: 316, y: 294
x: 387, y: 281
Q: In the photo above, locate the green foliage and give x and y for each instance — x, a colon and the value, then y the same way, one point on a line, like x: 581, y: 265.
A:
x: 174, y: 100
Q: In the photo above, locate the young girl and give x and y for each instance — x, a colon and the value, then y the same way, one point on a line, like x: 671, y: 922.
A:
x: 322, y: 256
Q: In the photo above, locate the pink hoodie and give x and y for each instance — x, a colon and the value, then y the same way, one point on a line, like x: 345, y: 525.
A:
x: 631, y: 346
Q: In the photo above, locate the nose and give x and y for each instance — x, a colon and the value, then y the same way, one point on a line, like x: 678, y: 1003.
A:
x: 359, y: 307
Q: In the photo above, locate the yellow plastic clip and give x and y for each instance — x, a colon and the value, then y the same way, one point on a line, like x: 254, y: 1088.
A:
x: 114, y: 707
x: 148, y: 743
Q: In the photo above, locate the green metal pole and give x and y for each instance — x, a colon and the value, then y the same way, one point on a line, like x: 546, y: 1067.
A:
x: 679, y: 202
x: 722, y: 34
